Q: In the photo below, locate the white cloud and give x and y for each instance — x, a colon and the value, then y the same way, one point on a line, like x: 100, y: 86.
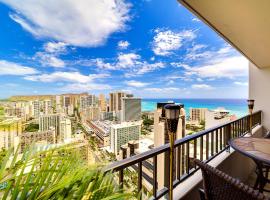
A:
x: 229, y: 67
x: 134, y: 83
x: 55, y: 47
x: 123, y: 44
x: 197, y: 52
x: 165, y: 90
x: 51, y: 54
x: 241, y: 83
x: 131, y: 63
x: 202, y: 86
x: 127, y: 60
x: 65, y: 76
x: 47, y: 59
x: 195, y: 19
x: 11, y: 68
x: 166, y: 41
x: 79, y: 23
x: 82, y: 87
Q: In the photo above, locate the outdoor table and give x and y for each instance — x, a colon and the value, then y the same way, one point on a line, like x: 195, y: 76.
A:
x: 258, y: 149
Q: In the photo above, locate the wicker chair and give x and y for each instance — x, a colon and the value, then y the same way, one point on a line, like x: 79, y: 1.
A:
x: 265, y: 168
x: 220, y: 186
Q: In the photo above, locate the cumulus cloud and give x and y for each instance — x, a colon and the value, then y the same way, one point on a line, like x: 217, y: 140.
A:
x: 123, y: 44
x: 241, y: 83
x: 66, y: 77
x: 195, y: 19
x: 11, y: 68
x: 55, y: 47
x: 202, y: 86
x: 79, y: 23
x: 167, y: 89
x: 50, y: 56
x: 138, y: 84
x: 167, y: 41
x: 82, y: 87
x: 229, y: 67
x: 131, y: 63
x: 47, y: 59
x: 198, y: 52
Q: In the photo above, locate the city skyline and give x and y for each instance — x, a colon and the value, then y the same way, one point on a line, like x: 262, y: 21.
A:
x: 153, y: 53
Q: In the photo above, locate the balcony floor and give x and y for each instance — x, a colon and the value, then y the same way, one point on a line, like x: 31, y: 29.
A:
x: 251, y: 181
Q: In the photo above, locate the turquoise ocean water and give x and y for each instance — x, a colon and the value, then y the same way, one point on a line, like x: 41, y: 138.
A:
x: 235, y: 106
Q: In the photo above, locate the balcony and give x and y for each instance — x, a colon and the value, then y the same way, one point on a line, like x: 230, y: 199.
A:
x: 209, y: 145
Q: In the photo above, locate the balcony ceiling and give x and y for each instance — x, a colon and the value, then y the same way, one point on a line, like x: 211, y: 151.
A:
x: 243, y: 23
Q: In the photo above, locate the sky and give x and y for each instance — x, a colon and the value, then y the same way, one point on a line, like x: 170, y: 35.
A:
x: 151, y: 48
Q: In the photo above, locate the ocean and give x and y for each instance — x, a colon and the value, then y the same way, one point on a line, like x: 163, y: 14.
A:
x: 235, y: 106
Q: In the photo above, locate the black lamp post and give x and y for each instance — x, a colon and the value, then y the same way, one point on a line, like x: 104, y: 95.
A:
x: 172, y: 112
x: 250, y: 109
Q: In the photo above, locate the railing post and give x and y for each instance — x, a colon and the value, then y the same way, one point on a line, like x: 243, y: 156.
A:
x: 228, y: 136
x: 121, y: 178
x: 140, y: 180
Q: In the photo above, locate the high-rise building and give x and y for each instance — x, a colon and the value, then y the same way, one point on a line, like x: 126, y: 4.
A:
x: 131, y: 109
x: 10, y: 130
x: 47, y: 107
x: 91, y: 113
x: 115, y: 101
x: 66, y: 101
x: 36, y: 108
x: 65, y: 129
x: 58, y: 104
x: 102, y: 102
x: 60, y: 123
x: 122, y: 133
x: 197, y: 115
x: 87, y: 101
x: 161, y: 137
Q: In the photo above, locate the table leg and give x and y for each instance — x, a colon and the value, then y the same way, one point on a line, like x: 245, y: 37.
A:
x: 260, y: 181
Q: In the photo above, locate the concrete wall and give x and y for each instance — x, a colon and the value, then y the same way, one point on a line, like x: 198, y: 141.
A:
x: 259, y: 90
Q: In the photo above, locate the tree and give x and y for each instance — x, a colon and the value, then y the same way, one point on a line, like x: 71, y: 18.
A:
x: 32, y: 127
x: 55, y: 174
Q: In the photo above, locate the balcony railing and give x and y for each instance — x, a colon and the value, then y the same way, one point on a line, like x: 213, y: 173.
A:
x: 204, y: 145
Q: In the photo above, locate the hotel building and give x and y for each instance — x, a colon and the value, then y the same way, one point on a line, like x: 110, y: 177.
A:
x: 122, y: 133
x: 131, y: 109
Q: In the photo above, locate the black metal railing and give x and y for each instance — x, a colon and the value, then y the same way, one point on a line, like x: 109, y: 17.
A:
x: 204, y: 145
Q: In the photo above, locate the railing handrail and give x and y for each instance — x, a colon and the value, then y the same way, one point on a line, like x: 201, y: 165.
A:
x: 116, y: 166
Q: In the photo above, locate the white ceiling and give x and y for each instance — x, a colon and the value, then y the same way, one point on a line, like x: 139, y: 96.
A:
x: 243, y: 23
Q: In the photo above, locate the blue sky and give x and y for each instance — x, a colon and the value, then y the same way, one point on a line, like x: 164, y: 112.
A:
x: 152, y: 48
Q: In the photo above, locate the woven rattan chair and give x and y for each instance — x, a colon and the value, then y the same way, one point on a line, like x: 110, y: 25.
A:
x: 220, y: 186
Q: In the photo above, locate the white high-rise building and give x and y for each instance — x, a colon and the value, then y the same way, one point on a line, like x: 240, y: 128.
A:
x: 47, y: 107
x: 10, y: 130
x: 65, y: 129
x: 60, y: 123
x: 121, y: 134
x: 197, y: 115
x: 102, y: 102
x: 36, y: 108
x: 131, y: 109
x: 87, y: 101
x: 58, y: 104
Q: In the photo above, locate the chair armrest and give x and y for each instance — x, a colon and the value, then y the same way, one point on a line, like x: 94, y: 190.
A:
x: 202, y: 194
x: 267, y: 135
